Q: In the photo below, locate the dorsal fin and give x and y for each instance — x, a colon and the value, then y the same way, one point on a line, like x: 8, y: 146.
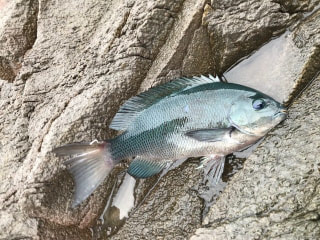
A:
x: 135, y: 105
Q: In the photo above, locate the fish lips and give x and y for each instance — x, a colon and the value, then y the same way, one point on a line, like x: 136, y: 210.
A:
x: 281, y: 115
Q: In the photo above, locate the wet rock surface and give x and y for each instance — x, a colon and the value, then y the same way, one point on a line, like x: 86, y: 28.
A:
x: 243, y: 26
x: 74, y: 63
x: 284, y: 63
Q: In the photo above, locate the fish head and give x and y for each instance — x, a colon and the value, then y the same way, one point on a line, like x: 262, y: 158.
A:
x: 255, y: 113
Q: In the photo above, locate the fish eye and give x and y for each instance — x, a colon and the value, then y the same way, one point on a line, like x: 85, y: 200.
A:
x: 258, y: 104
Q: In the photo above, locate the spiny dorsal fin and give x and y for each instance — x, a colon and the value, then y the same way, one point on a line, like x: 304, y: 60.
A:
x: 135, y: 105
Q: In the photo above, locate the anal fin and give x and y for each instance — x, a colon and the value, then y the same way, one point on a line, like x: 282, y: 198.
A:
x: 142, y: 168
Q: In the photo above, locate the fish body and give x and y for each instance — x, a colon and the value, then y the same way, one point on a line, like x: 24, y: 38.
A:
x: 189, y: 117
x: 159, y: 132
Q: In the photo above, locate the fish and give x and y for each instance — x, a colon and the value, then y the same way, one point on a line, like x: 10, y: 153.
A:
x: 187, y: 117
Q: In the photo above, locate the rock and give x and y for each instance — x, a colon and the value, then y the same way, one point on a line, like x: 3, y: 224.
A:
x: 84, y: 64
x: 299, y: 6
x: 18, y: 32
x: 186, y: 51
x: 237, y: 28
x: 66, y: 84
x: 292, y: 58
x: 17, y: 226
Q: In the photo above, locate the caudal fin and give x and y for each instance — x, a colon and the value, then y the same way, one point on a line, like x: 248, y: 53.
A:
x: 89, y: 165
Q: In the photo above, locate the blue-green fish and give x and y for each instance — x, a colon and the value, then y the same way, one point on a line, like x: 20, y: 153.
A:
x: 188, y: 117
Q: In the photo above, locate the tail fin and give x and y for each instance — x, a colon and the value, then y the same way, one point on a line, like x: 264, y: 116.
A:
x: 89, y: 166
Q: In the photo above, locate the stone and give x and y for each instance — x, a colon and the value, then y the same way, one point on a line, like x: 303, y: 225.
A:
x: 18, y: 32
x: 172, y: 210
x: 237, y: 28
x: 292, y: 58
x: 82, y: 67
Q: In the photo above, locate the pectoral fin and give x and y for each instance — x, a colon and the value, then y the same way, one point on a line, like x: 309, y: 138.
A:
x: 142, y: 168
x: 209, y: 135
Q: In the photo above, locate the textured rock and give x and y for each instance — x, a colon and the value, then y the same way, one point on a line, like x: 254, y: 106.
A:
x: 301, y: 6
x: 239, y: 27
x: 18, y: 32
x: 171, y: 211
x: 284, y: 63
x: 88, y: 58
x: 84, y: 64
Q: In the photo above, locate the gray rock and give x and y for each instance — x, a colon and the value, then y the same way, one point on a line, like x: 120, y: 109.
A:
x: 284, y: 63
x: 301, y: 6
x: 84, y: 64
x: 18, y: 32
x: 172, y: 210
x: 239, y: 27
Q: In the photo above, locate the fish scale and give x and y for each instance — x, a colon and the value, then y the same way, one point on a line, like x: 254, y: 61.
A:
x: 163, y: 137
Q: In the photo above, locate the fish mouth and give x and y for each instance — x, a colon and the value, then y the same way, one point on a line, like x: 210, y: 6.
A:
x: 281, y: 114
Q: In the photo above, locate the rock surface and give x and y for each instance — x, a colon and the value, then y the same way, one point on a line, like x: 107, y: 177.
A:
x: 283, y: 62
x: 18, y: 32
x: 237, y: 28
x: 67, y: 66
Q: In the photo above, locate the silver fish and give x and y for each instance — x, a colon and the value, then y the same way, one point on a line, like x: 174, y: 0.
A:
x: 188, y: 117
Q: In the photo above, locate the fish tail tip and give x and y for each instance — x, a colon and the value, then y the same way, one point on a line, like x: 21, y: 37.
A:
x: 89, y: 164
